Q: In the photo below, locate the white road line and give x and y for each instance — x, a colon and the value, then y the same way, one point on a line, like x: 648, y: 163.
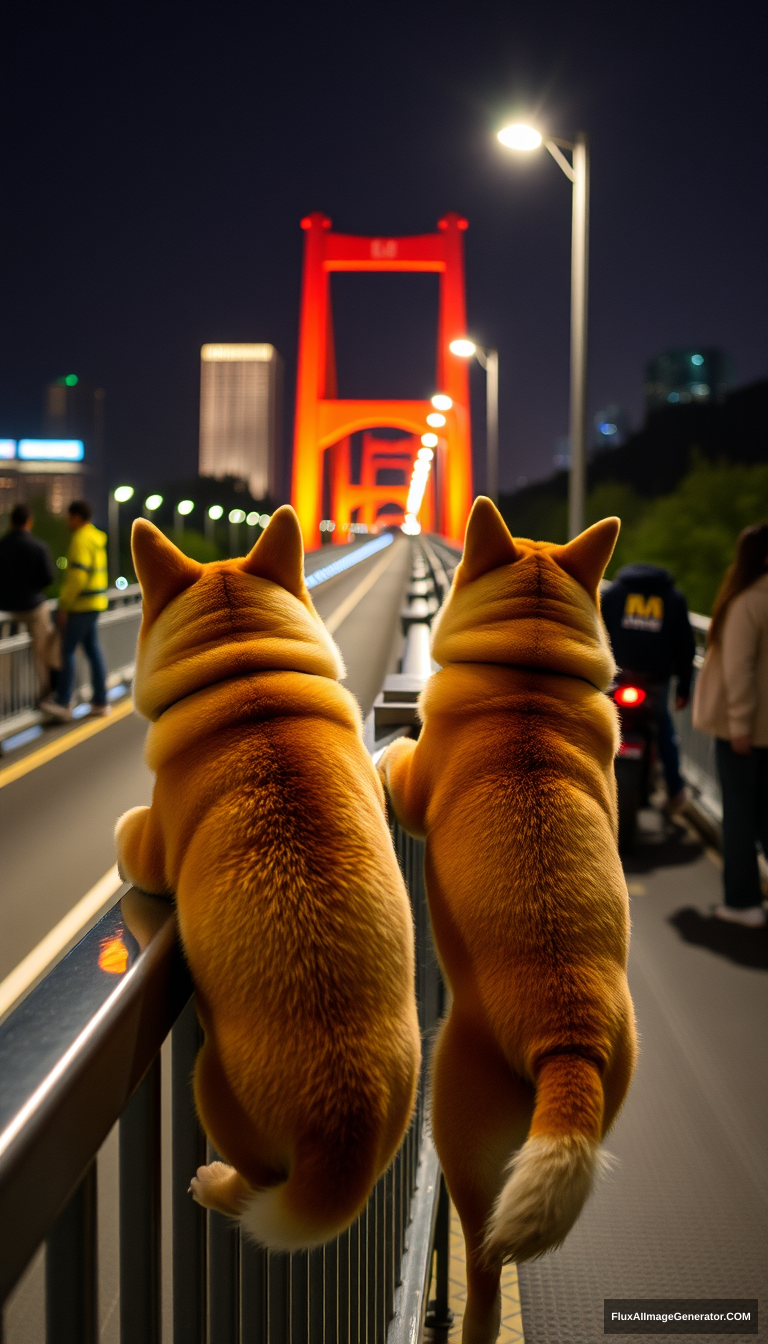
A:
x: 350, y: 602
x: 28, y: 971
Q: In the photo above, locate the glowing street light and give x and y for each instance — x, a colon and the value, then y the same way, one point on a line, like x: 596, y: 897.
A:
x: 464, y: 349
x: 520, y: 137
x: 152, y: 502
x: 577, y: 172
x: 117, y: 497
x: 488, y: 360
x: 211, y: 517
x: 182, y: 510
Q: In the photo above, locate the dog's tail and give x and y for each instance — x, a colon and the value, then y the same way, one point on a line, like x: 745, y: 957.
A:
x: 554, y: 1171
x: 319, y: 1200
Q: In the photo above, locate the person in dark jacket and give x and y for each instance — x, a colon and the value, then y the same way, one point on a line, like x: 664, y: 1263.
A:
x: 646, y: 617
x: 26, y: 570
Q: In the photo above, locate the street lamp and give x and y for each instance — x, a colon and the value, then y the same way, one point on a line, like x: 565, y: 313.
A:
x: 236, y: 517
x: 182, y: 510
x: 152, y: 502
x: 577, y: 171
x: 212, y: 516
x: 488, y: 360
x: 119, y: 496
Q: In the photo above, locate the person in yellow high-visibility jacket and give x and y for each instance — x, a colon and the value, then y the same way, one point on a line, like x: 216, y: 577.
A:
x: 83, y: 595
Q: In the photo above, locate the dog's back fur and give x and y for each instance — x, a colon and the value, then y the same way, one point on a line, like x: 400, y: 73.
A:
x: 512, y: 784
x: 268, y: 825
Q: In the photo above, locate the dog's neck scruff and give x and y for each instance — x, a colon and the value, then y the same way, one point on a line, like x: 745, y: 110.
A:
x: 205, y: 625
x: 528, y: 605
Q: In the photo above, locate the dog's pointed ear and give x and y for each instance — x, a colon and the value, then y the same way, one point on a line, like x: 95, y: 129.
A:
x: 279, y: 553
x: 488, y: 542
x: 161, y: 568
x: 585, y: 558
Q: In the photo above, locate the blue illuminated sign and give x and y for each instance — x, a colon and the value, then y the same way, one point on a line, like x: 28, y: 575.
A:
x: 7, y: 449
x: 51, y: 450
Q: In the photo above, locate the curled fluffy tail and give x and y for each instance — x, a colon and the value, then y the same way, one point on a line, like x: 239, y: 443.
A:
x: 323, y: 1194
x: 554, y: 1171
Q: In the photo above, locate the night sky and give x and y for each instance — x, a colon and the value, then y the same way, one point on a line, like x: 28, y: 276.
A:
x: 156, y: 163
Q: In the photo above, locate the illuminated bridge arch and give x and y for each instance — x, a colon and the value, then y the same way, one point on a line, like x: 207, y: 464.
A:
x: 326, y: 421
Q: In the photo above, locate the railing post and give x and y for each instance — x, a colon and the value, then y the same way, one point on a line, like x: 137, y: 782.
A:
x: 71, y: 1280
x: 224, y: 1280
x: 189, y: 1219
x: 253, y: 1293
x: 140, y: 1213
x: 439, y: 1314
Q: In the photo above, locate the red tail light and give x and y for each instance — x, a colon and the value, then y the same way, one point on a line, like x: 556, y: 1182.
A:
x: 630, y: 696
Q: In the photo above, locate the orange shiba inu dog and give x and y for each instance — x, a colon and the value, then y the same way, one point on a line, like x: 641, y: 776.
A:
x: 512, y: 783
x: 268, y: 824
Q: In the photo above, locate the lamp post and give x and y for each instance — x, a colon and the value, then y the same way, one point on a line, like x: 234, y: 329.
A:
x: 182, y: 511
x: 119, y: 496
x: 577, y: 172
x: 152, y: 503
x: 212, y: 516
x: 489, y: 361
x: 236, y: 517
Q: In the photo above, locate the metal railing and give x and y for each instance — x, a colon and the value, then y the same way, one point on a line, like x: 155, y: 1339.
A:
x: 118, y: 631
x: 19, y: 693
x: 83, y: 1052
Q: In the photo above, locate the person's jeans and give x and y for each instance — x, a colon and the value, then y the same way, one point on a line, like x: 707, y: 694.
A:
x: 666, y: 741
x: 81, y: 629
x: 744, y: 784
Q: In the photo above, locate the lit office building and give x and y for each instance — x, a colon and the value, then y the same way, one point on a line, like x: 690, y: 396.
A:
x: 241, y: 415
x: 677, y: 377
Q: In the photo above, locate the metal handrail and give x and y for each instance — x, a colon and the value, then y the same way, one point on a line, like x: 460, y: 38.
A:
x: 119, y: 627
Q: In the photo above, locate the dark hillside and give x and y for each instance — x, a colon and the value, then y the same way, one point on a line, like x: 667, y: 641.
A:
x: 655, y: 459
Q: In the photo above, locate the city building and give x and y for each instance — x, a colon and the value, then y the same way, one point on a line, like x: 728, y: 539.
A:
x: 241, y: 403
x: 610, y: 427
x: 676, y: 377
x: 52, y: 470
x: 67, y: 462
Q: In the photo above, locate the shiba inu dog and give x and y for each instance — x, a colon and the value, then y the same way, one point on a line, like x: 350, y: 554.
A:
x: 512, y: 784
x: 268, y: 825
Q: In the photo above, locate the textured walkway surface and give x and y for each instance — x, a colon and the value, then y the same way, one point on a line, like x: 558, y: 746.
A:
x: 511, y: 1319
x: 685, y: 1211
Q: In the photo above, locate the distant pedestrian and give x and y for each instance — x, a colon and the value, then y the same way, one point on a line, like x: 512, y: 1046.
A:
x: 26, y: 570
x: 83, y: 595
x: 646, y: 617
x: 731, y: 702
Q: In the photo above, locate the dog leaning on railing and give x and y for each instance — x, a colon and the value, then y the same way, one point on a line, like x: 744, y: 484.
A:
x: 512, y: 784
x: 268, y: 825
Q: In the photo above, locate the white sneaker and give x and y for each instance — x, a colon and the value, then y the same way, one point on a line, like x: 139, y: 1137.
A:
x: 56, y: 711
x: 751, y: 916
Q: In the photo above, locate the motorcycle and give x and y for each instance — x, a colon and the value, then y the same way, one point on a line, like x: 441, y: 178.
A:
x: 635, y: 762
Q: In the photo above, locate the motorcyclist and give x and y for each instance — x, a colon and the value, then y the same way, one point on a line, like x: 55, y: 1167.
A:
x: 647, y: 620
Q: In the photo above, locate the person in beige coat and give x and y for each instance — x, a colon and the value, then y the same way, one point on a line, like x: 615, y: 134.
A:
x: 731, y: 702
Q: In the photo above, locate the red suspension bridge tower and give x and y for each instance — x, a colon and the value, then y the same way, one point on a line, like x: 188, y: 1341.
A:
x: 325, y: 422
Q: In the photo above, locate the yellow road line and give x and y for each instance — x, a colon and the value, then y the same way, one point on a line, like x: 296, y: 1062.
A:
x: 36, y: 758
x: 350, y: 602
x: 65, y: 932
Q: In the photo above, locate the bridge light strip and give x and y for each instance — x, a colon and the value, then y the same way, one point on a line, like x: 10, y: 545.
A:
x: 347, y: 561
